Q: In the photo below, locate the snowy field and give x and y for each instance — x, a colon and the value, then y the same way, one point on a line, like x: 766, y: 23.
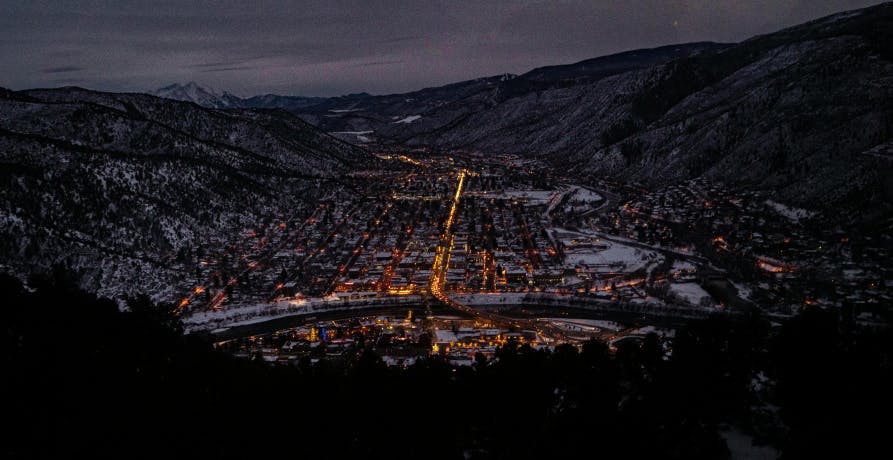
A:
x: 617, y: 256
x: 585, y: 195
x: 581, y: 199
x: 690, y: 292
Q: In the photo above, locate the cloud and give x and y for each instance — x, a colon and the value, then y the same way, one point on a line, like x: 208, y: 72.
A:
x: 228, y: 69
x: 374, y: 63
x: 63, y: 69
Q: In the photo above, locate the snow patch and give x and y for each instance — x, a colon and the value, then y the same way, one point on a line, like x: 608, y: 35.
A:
x: 690, y: 292
x: 408, y: 119
x: 791, y: 213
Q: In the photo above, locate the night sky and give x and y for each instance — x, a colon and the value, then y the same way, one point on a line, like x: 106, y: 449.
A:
x: 332, y: 47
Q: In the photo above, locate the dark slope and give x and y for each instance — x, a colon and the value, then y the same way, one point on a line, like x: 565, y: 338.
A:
x: 439, y: 108
x: 605, y: 66
x: 803, y: 111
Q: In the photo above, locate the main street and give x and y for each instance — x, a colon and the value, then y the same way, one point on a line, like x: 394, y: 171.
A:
x: 441, y: 263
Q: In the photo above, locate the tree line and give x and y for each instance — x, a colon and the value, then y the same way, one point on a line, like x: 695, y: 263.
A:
x: 87, y: 377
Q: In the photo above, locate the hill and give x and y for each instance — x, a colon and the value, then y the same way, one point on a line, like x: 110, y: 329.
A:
x: 115, y: 185
x: 806, y: 112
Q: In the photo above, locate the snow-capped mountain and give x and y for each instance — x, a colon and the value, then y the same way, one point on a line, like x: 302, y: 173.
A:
x: 203, y: 96
x: 216, y: 99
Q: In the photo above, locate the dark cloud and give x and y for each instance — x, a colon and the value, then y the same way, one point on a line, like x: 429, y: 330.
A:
x: 330, y: 47
x: 63, y: 69
x: 227, y: 69
x: 206, y: 65
x: 369, y: 64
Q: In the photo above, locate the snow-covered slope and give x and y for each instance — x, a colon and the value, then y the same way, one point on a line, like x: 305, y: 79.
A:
x: 118, y: 184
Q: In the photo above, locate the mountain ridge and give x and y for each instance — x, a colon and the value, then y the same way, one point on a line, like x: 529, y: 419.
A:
x: 203, y: 96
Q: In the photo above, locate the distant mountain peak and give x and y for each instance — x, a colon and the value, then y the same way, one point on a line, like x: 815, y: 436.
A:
x: 198, y: 94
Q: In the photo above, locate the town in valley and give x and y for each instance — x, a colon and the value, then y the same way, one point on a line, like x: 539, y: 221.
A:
x: 455, y: 254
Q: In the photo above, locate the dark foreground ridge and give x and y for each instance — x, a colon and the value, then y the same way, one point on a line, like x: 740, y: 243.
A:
x: 85, y: 379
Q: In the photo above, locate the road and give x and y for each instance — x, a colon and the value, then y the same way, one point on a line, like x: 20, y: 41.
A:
x: 439, y: 272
